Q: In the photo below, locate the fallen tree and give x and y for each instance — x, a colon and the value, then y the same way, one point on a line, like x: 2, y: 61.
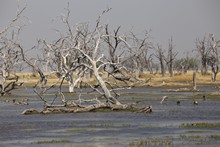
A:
x: 85, y: 47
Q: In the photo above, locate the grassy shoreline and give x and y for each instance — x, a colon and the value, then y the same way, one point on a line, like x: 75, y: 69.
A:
x: 155, y: 80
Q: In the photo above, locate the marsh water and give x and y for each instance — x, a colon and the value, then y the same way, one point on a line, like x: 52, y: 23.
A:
x: 162, y: 127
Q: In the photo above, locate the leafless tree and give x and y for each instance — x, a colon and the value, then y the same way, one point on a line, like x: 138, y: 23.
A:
x: 160, y: 56
x: 10, y: 58
x: 208, y: 49
x: 186, y: 63
x: 116, y: 54
x: 138, y: 49
x: 80, y: 51
x: 204, y: 50
x: 213, y: 59
x: 170, y: 57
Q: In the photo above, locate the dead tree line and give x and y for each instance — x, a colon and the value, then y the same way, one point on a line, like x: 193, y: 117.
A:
x: 97, y: 51
x: 208, y: 50
x: 10, y: 56
x: 169, y: 59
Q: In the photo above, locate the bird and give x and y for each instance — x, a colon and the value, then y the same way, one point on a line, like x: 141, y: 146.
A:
x: 178, y: 102
x: 195, y: 103
x: 163, y: 99
x: 204, y: 98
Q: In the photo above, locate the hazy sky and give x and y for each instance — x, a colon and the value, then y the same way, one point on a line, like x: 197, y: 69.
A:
x: 185, y: 20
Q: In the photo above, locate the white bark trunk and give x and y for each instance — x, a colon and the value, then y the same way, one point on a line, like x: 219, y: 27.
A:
x: 71, y: 87
x: 103, y: 85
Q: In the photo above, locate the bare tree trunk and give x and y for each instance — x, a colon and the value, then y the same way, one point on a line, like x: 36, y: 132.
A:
x: 215, y: 71
x: 204, y: 67
x: 194, y: 81
x: 160, y: 57
x: 107, y: 93
x: 171, y: 69
x: 137, y: 69
x: 170, y: 58
x: 71, y: 86
x: 162, y: 68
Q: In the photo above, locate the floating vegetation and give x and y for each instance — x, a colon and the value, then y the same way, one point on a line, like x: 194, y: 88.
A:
x: 77, y: 130
x: 200, y: 125
x: 151, y: 141
x: 102, y: 125
x: 216, y: 137
x: 191, y: 136
x: 197, y: 131
x: 53, y: 141
x: 110, y: 125
x: 200, y: 138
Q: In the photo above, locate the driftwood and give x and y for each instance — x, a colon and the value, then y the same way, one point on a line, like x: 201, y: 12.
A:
x: 90, y: 108
x: 145, y: 110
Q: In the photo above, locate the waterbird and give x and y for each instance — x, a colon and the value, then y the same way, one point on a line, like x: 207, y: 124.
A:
x: 195, y: 103
x: 178, y: 102
x: 163, y: 99
x: 204, y: 98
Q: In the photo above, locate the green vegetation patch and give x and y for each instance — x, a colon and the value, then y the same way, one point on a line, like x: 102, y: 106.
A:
x: 102, y: 125
x: 200, y: 125
x: 191, y: 136
x: 77, y: 130
x: 197, y: 131
x: 151, y: 141
x: 53, y: 141
x: 110, y: 125
x: 215, y: 137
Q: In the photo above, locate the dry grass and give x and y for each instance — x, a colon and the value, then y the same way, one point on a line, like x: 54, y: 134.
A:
x: 156, y: 79
x: 181, y: 80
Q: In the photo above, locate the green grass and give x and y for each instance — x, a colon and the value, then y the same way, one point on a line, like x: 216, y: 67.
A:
x: 208, y: 97
x: 191, y: 136
x: 196, y: 131
x: 216, y: 137
x: 53, y: 141
x: 200, y: 125
x: 106, y: 125
x: 76, y: 130
x: 151, y: 142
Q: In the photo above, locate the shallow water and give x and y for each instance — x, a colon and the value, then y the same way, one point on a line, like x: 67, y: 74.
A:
x: 112, y: 128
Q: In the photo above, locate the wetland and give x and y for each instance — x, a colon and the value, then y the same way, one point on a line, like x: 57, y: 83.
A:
x: 169, y: 124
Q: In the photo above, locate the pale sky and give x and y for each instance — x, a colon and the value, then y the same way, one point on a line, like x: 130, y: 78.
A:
x: 185, y: 20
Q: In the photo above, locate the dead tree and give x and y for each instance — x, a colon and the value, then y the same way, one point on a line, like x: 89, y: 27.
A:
x: 208, y: 49
x: 138, y: 51
x: 186, y: 63
x: 213, y: 59
x: 10, y: 57
x: 194, y: 87
x: 95, y: 60
x: 170, y: 57
x: 86, y: 47
x: 116, y: 54
x: 149, y: 62
x: 160, y: 56
x: 204, y: 51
